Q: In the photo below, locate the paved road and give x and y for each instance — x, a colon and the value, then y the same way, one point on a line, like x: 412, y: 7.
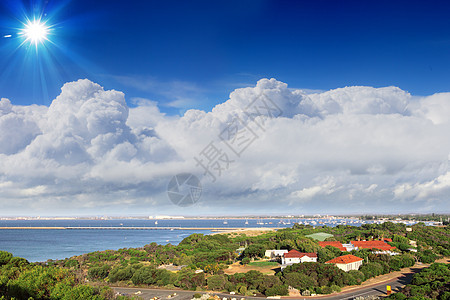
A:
x: 151, y: 293
x: 146, y: 294
x: 376, y: 290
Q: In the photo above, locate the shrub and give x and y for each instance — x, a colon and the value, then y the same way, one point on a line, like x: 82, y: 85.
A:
x: 72, y: 263
x: 99, y: 272
x: 358, y: 277
x: 398, y: 296
x: 120, y: 274
x: 18, y: 262
x: 216, y: 282
x: 243, y: 290
x: 326, y: 290
x: 371, y: 269
x: 299, y: 281
x: 335, y: 288
x: 5, y: 257
x: 230, y: 287
x: 278, y: 290
x: 427, y: 257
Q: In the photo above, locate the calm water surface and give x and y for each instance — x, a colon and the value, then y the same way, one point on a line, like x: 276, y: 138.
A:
x: 42, y: 244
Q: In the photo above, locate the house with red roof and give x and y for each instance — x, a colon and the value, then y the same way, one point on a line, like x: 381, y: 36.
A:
x: 347, y: 262
x: 355, y: 245
x: 296, y: 257
x: 381, y: 245
x: 332, y: 244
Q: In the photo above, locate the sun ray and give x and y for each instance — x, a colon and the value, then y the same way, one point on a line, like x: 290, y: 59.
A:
x: 35, y: 32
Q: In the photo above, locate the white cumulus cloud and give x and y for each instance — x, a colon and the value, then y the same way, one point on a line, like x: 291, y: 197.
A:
x: 352, y: 149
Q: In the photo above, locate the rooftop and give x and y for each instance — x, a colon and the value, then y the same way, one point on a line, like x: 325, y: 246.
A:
x: 372, y: 245
x: 294, y: 253
x: 344, y: 259
x: 333, y: 244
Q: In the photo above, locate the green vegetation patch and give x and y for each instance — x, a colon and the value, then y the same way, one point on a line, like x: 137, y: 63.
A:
x: 320, y: 236
x: 263, y: 264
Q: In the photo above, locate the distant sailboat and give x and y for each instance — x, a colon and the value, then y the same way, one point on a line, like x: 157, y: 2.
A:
x: 156, y: 222
x: 225, y: 222
x: 246, y: 222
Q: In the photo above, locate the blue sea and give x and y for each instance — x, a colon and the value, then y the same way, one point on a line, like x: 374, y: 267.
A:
x: 43, y: 244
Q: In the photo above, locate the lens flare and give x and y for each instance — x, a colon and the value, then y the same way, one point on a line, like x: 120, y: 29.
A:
x: 35, y: 32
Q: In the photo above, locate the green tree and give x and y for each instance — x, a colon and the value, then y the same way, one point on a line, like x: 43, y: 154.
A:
x: 278, y: 290
x: 216, y: 282
x: 299, y: 281
x: 245, y: 260
x: 254, y: 251
x: 121, y: 274
x: 99, y: 272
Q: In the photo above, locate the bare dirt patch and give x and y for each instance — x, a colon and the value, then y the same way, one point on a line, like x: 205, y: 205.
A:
x: 238, y: 268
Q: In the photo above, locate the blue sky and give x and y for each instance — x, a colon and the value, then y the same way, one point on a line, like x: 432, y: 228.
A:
x: 144, y: 87
x: 192, y: 54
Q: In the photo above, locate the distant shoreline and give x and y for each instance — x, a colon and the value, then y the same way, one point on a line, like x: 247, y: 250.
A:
x: 159, y: 218
x: 247, y: 231
x: 214, y: 229
x: 51, y: 227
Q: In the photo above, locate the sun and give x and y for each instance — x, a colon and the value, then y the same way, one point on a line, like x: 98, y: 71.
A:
x: 35, y: 32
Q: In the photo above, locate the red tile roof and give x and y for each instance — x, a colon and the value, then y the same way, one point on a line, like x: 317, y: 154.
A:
x: 372, y: 245
x: 345, y: 259
x: 333, y: 244
x: 294, y: 253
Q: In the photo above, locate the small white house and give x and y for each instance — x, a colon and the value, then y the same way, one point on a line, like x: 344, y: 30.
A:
x: 296, y: 257
x: 275, y: 253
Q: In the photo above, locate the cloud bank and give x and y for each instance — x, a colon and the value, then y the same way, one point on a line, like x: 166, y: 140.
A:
x: 349, y: 150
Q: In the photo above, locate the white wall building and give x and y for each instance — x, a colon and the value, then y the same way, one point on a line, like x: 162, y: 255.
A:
x: 347, y: 262
x: 275, y: 253
x: 296, y: 257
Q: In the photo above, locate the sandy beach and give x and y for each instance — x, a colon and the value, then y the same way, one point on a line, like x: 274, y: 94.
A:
x: 246, y: 231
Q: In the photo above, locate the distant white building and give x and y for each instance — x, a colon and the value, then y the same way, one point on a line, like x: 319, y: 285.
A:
x: 349, y: 247
x: 387, y: 252
x: 296, y: 257
x: 275, y: 253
